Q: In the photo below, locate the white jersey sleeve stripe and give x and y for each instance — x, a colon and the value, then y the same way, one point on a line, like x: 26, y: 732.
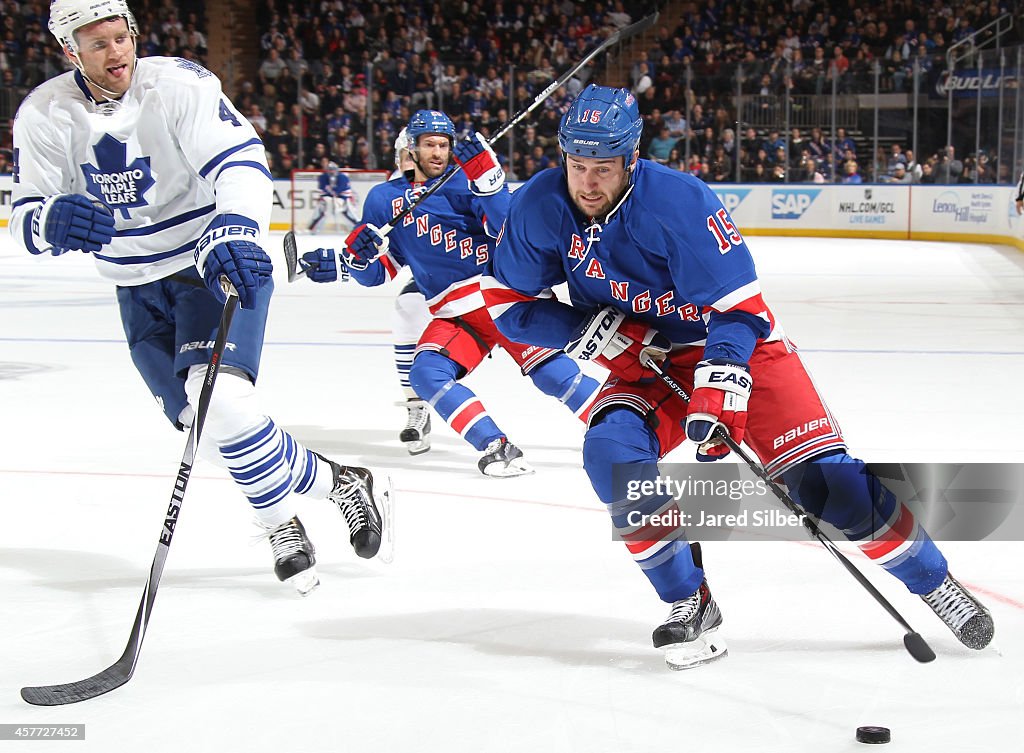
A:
x: 212, y: 164
x: 737, y: 296
x: 27, y: 200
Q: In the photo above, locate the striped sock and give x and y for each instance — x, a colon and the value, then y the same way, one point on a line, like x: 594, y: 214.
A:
x: 464, y: 412
x: 267, y: 464
x: 403, y: 362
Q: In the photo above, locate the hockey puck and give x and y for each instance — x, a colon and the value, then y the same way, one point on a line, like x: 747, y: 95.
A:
x: 873, y: 735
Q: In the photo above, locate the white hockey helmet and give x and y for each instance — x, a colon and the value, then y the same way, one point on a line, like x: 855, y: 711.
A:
x: 67, y: 16
x: 401, y: 142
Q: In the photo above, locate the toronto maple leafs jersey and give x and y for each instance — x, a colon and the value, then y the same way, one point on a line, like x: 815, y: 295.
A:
x: 447, y: 240
x: 169, y: 157
x: 667, y: 254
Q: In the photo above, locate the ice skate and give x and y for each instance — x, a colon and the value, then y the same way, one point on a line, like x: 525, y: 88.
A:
x: 967, y: 617
x: 416, y: 434
x: 503, y: 459
x: 366, y: 499
x: 294, y: 555
x: 689, y: 636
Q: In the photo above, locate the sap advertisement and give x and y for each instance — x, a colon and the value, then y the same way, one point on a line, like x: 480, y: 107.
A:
x: 983, y: 214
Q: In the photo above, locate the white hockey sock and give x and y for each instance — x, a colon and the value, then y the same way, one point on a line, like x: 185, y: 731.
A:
x: 310, y: 475
x: 403, y: 362
x: 257, y: 461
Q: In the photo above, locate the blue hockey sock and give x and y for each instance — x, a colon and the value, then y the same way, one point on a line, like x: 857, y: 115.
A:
x: 620, y: 451
x: 560, y: 377
x: 842, y: 491
x: 433, y: 376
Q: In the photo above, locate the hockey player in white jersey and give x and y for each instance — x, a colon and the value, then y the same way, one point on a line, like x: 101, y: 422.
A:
x: 148, y: 167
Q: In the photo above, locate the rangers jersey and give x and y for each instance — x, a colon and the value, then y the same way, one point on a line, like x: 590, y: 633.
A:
x: 447, y: 240
x: 337, y: 185
x: 166, y: 159
x: 667, y: 254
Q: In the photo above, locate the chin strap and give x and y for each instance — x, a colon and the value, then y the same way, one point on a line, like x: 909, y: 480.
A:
x: 113, y: 103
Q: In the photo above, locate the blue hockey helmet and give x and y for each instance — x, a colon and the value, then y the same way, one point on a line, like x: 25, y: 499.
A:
x: 429, y: 121
x: 602, y: 122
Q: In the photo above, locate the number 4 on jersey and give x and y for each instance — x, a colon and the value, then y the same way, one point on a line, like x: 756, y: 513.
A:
x: 720, y: 226
x: 227, y: 116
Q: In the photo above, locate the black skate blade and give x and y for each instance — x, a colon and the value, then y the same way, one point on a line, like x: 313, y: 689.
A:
x: 918, y: 648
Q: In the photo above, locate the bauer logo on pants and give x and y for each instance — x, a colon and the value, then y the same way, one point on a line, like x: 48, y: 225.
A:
x: 202, y: 345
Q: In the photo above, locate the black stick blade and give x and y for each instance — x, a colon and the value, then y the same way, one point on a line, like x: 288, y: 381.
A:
x: 74, y: 692
x: 918, y: 648
x: 291, y: 256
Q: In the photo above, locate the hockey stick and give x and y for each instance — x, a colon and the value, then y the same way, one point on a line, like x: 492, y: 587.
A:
x: 122, y: 670
x: 619, y: 36
x: 291, y: 257
x: 915, y: 644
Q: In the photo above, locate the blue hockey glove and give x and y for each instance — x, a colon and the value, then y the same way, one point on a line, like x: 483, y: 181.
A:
x: 364, y: 245
x: 228, y: 248
x: 480, y: 164
x: 621, y: 345
x: 322, y: 265
x: 721, y: 388
x: 72, y: 222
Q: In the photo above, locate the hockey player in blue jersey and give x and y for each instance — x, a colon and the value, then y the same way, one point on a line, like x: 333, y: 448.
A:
x: 411, y: 316
x: 448, y: 241
x: 334, y: 195
x: 656, y: 269
x: 145, y: 164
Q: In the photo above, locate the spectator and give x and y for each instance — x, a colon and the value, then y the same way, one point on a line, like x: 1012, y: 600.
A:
x: 272, y: 67
x: 850, y: 172
x: 900, y: 175
x: 661, y: 146
x: 720, y: 165
x: 255, y: 116
x: 810, y: 172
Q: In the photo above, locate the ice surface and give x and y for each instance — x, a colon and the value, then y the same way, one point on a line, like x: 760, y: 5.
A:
x: 509, y: 621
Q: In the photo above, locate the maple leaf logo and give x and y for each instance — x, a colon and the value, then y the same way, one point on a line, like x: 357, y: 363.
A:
x: 113, y: 181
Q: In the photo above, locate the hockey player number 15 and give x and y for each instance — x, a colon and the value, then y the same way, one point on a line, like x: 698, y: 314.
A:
x: 724, y: 231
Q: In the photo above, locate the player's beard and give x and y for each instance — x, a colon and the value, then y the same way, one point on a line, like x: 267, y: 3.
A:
x: 600, y: 201
x: 432, y: 170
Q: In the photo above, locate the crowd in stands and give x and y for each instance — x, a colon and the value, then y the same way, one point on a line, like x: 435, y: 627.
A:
x: 337, y: 79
